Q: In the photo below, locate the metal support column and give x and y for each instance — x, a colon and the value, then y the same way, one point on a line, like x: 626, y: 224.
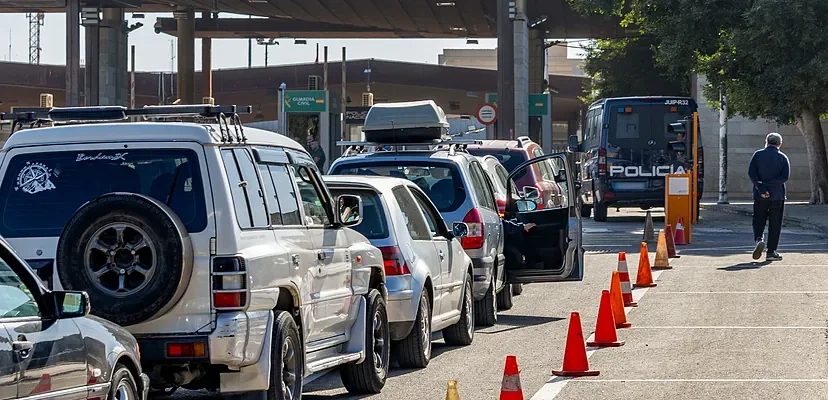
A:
x: 505, y: 70
x: 72, y: 53
x: 185, y: 17
x: 91, y: 20
x: 206, y: 63
x: 521, y: 65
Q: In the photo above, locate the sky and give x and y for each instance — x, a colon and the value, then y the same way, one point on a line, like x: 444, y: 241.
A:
x: 154, y: 52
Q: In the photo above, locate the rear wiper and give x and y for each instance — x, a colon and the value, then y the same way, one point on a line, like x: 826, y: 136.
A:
x: 172, y: 186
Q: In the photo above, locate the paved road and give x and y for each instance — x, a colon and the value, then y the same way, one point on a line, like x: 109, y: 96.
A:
x: 692, y: 326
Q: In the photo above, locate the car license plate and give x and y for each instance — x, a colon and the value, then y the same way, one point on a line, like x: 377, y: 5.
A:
x: 629, y: 185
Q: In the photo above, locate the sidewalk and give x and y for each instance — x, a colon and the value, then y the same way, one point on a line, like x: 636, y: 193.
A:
x: 798, y: 214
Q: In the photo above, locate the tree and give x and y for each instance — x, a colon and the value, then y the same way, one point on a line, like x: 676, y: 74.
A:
x: 627, y: 67
x: 771, y: 56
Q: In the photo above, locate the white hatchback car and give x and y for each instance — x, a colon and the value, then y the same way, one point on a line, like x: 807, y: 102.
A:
x: 428, y: 274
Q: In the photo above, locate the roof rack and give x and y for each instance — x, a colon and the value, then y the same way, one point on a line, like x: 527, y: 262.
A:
x: 37, y: 117
x: 522, y: 139
x: 454, y: 145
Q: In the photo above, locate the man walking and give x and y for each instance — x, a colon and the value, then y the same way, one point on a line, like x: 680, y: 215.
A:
x: 769, y: 170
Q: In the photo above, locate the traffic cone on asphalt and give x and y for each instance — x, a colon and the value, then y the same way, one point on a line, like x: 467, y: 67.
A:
x: 575, y: 361
x: 648, y: 228
x: 671, y: 243
x: 644, y: 277
x: 661, y: 259
x: 605, y: 333
x: 510, y: 387
x: 44, y: 386
x: 451, y: 392
x: 617, y: 302
x: 680, y: 241
x: 624, y: 275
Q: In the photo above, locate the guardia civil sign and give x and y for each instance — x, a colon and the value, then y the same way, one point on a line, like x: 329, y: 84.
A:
x: 305, y: 101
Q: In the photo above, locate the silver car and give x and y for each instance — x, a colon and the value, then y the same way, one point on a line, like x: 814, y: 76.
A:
x: 462, y: 191
x: 51, y: 348
x: 428, y: 274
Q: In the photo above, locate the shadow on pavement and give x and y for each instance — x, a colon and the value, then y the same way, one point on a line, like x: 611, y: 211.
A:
x: 745, y: 266
x: 507, y: 323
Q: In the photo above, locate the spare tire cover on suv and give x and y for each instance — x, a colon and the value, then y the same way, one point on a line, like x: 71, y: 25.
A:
x: 130, y: 252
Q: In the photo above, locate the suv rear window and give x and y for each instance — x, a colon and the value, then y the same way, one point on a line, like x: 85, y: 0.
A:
x: 441, y: 182
x: 510, y: 159
x: 41, y: 191
x: 374, y: 224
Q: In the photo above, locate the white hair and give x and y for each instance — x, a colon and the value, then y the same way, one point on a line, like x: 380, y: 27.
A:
x: 774, y: 139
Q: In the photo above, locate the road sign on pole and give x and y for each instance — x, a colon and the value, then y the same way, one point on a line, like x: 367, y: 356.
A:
x: 487, y: 113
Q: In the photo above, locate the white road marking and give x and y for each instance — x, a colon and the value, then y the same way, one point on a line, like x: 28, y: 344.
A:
x: 728, y: 327
x: 551, y: 389
x: 704, y: 380
x: 751, y: 247
x: 754, y: 292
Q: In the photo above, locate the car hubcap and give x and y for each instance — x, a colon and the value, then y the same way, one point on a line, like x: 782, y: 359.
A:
x: 120, y: 259
x: 425, y: 328
x: 123, y: 392
x: 289, y: 368
x: 379, y: 344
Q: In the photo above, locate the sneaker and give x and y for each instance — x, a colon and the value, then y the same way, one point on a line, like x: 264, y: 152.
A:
x: 757, y: 251
x: 773, y: 256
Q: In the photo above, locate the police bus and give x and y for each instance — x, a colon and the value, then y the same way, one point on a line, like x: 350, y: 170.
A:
x: 627, y: 149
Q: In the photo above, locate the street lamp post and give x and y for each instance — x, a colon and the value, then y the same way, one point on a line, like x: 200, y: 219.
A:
x: 266, y: 43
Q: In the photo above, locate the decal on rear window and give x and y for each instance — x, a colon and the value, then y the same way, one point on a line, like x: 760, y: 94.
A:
x: 34, y: 178
x: 101, y: 156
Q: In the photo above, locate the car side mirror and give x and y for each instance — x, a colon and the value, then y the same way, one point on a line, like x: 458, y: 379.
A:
x: 460, y: 230
x: 526, y: 205
x: 349, y: 209
x: 72, y: 304
x: 574, y: 145
x: 531, y: 193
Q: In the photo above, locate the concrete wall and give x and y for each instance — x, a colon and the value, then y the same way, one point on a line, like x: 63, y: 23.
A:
x: 559, y: 64
x: 744, y: 137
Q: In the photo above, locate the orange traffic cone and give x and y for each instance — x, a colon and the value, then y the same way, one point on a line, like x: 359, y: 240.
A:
x: 510, y: 387
x: 575, y: 361
x: 451, y: 392
x: 671, y: 243
x: 617, y: 302
x: 661, y: 259
x: 644, y: 278
x: 680, y: 241
x: 44, y: 386
x: 624, y: 275
x: 605, y: 334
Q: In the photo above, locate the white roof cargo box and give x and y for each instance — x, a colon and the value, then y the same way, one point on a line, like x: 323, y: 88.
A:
x: 408, y: 122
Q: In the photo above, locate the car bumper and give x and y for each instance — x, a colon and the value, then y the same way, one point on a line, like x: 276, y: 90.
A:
x: 482, y: 268
x: 403, y: 303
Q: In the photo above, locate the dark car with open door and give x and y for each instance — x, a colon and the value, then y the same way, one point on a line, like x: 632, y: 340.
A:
x: 552, y: 251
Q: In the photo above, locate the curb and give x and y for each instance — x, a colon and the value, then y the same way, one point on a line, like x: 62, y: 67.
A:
x: 786, y: 222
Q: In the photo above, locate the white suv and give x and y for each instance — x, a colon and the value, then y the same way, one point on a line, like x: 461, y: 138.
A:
x: 429, y: 275
x: 218, y: 247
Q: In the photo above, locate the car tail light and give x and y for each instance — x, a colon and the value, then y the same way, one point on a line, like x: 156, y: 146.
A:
x: 501, y: 207
x: 187, y: 350
x: 394, y: 261
x: 474, y: 240
x: 229, y: 283
x: 602, y: 163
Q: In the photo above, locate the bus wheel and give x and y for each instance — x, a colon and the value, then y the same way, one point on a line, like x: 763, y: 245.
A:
x: 600, y: 212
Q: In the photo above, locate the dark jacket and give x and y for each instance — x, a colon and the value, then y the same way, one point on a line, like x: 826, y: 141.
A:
x: 512, y: 227
x: 769, y: 170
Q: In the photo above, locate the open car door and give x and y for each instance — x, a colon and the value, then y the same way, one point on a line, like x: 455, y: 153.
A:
x: 552, y: 251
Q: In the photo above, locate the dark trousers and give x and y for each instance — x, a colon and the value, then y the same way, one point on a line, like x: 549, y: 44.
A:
x: 770, y: 211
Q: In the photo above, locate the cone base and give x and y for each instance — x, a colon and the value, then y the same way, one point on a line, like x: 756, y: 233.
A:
x: 662, y: 268
x: 631, y: 304
x: 624, y: 325
x: 644, y: 286
x: 675, y: 256
x: 575, y: 374
x: 617, y: 343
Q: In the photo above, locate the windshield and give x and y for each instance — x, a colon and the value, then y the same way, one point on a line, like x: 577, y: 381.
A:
x: 41, y: 191
x: 441, y: 182
x: 374, y: 224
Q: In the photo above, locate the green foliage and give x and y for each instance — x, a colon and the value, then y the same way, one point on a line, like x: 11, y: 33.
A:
x: 627, y: 67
